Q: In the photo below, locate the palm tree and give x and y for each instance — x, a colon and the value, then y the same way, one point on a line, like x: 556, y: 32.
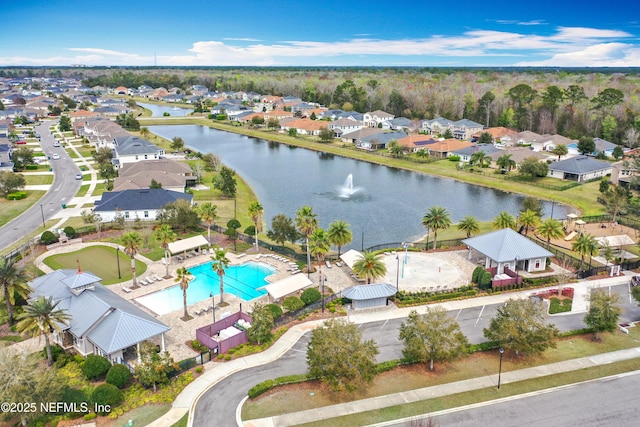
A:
x: 13, y: 280
x: 480, y: 159
x: 394, y: 148
x: 42, y: 317
x: 560, y: 150
x: 505, y: 162
x: 369, y: 266
x: 165, y: 235
x: 422, y: 154
x: 470, y: 225
x: 319, y: 247
x: 528, y: 219
x: 220, y: 262
x: 144, y: 132
x: 255, y: 212
x: 504, y: 220
x: 550, y: 229
x: 207, y: 214
x: 306, y: 222
x: 132, y: 242
x: 585, y: 244
x: 436, y: 218
x: 184, y: 277
x: 339, y: 234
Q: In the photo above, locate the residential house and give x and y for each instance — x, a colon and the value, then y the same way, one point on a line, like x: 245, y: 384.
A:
x: 102, y: 322
x: 399, y: 123
x: 532, y: 139
x: 277, y: 114
x: 130, y: 149
x: 500, y: 135
x: 170, y: 174
x: 444, y: 148
x: 356, y: 136
x: 549, y: 142
x: 375, y: 118
x: 604, y: 146
x: 342, y: 126
x: 463, y: 129
x: 6, y: 163
x: 622, y: 172
x: 141, y: 204
x: 579, y: 168
x: 416, y: 142
x: 303, y: 126
x: 379, y: 141
x: 437, y: 126
x: 467, y: 152
x: 518, y: 155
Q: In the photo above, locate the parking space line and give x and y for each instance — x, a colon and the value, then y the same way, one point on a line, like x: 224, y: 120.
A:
x: 458, y: 315
x: 384, y: 324
x: 479, y: 316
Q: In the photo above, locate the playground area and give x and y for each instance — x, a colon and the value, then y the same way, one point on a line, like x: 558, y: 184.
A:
x: 597, y: 229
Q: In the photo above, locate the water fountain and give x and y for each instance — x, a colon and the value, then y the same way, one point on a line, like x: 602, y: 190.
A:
x: 347, y: 189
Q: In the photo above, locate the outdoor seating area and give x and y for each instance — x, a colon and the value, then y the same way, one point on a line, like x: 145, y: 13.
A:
x: 291, y: 266
x: 203, y: 311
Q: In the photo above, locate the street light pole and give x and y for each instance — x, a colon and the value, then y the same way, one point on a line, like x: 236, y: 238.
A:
x: 118, y: 260
x: 500, y: 369
x: 397, y: 272
x: 322, y: 282
x: 516, y: 267
x: 42, y: 212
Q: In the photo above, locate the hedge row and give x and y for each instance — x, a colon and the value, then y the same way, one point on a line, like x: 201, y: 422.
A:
x: 421, y: 298
x: 267, y: 385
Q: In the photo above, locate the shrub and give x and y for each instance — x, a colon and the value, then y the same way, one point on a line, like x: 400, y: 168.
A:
x: 198, y: 346
x: 74, y: 396
x: 311, y: 295
x: 454, y: 158
x: 199, y: 369
x: 477, y: 272
x: 484, y: 281
x: 56, y: 351
x: 118, y: 375
x: 293, y: 303
x: 90, y: 416
x: 106, y: 394
x: 275, y: 310
x: 48, y: 237
x: 17, y: 195
x: 31, y: 167
x: 69, y: 231
x: 95, y: 367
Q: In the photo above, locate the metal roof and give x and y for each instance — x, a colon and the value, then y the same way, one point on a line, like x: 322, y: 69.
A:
x: 506, y: 245
x: 80, y: 279
x: 287, y: 286
x: 372, y: 291
x: 106, y: 319
x: 138, y: 199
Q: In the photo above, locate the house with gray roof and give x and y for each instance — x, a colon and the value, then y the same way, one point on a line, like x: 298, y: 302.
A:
x: 6, y: 163
x: 507, y: 252
x: 579, y: 168
x: 464, y: 129
x: 102, y: 322
x: 130, y: 149
x: 437, y: 126
x: 466, y: 153
x: 379, y: 140
x: 144, y: 204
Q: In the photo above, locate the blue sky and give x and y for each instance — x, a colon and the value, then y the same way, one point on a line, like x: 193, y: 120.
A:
x: 560, y: 33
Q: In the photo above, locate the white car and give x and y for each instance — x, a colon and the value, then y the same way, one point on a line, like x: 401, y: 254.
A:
x: 55, y: 156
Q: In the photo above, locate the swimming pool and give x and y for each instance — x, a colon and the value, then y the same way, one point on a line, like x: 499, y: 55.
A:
x: 240, y: 280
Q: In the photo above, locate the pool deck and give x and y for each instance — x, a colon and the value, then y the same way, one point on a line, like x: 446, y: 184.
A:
x: 420, y: 272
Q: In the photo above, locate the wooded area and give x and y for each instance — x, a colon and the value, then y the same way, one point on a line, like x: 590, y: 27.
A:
x: 570, y: 102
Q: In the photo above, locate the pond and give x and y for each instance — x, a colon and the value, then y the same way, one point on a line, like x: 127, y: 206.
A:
x: 381, y: 204
x: 174, y: 111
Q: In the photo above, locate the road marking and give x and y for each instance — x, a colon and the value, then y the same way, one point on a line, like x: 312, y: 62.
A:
x: 458, y: 315
x: 479, y: 316
x: 384, y: 324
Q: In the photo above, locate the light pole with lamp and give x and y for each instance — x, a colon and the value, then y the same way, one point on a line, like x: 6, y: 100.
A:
x: 501, y: 350
x: 322, y: 288
x: 515, y: 266
x: 397, y: 272
x: 42, y: 212
x: 118, y: 260
x: 213, y: 306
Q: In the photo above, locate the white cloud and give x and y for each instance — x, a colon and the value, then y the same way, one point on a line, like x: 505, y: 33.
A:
x: 241, y: 39
x: 567, y: 46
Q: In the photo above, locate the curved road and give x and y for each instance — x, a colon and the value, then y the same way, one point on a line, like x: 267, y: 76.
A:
x: 217, y: 406
x: 64, y: 187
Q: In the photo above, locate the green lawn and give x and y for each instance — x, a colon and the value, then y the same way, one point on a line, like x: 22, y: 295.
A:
x: 9, y: 209
x: 83, y: 190
x: 38, y: 179
x: 292, y: 399
x: 99, y: 260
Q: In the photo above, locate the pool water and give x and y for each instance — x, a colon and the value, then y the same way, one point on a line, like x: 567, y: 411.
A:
x: 240, y: 280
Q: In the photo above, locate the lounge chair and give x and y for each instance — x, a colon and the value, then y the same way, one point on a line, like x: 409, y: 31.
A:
x: 211, y: 251
x: 328, y: 263
x: 339, y: 264
x: 143, y: 282
x: 180, y: 258
x: 157, y: 278
x: 125, y: 289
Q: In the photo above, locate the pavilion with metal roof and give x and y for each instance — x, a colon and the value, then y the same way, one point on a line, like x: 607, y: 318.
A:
x: 369, y: 296
x: 504, y: 248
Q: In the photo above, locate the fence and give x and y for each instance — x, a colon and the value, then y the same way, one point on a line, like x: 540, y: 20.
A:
x: 290, y: 316
x: 519, y: 178
x: 428, y: 245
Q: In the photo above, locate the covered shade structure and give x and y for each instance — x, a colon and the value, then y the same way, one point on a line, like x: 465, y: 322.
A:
x: 350, y: 257
x: 187, y: 244
x: 369, y: 296
x: 284, y: 287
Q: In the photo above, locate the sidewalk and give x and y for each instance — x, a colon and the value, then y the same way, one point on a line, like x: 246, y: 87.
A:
x: 185, y: 402
x: 426, y: 393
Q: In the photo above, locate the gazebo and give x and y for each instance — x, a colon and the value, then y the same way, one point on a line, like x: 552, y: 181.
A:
x: 289, y: 285
x: 188, y: 244
x: 369, y: 296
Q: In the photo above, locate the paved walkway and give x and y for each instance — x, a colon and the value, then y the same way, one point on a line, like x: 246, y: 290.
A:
x: 185, y: 402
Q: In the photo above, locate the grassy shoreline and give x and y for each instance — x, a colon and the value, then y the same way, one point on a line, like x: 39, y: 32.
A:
x: 582, y: 197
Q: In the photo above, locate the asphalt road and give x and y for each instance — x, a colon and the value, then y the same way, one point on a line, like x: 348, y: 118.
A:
x: 604, y: 402
x: 64, y: 187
